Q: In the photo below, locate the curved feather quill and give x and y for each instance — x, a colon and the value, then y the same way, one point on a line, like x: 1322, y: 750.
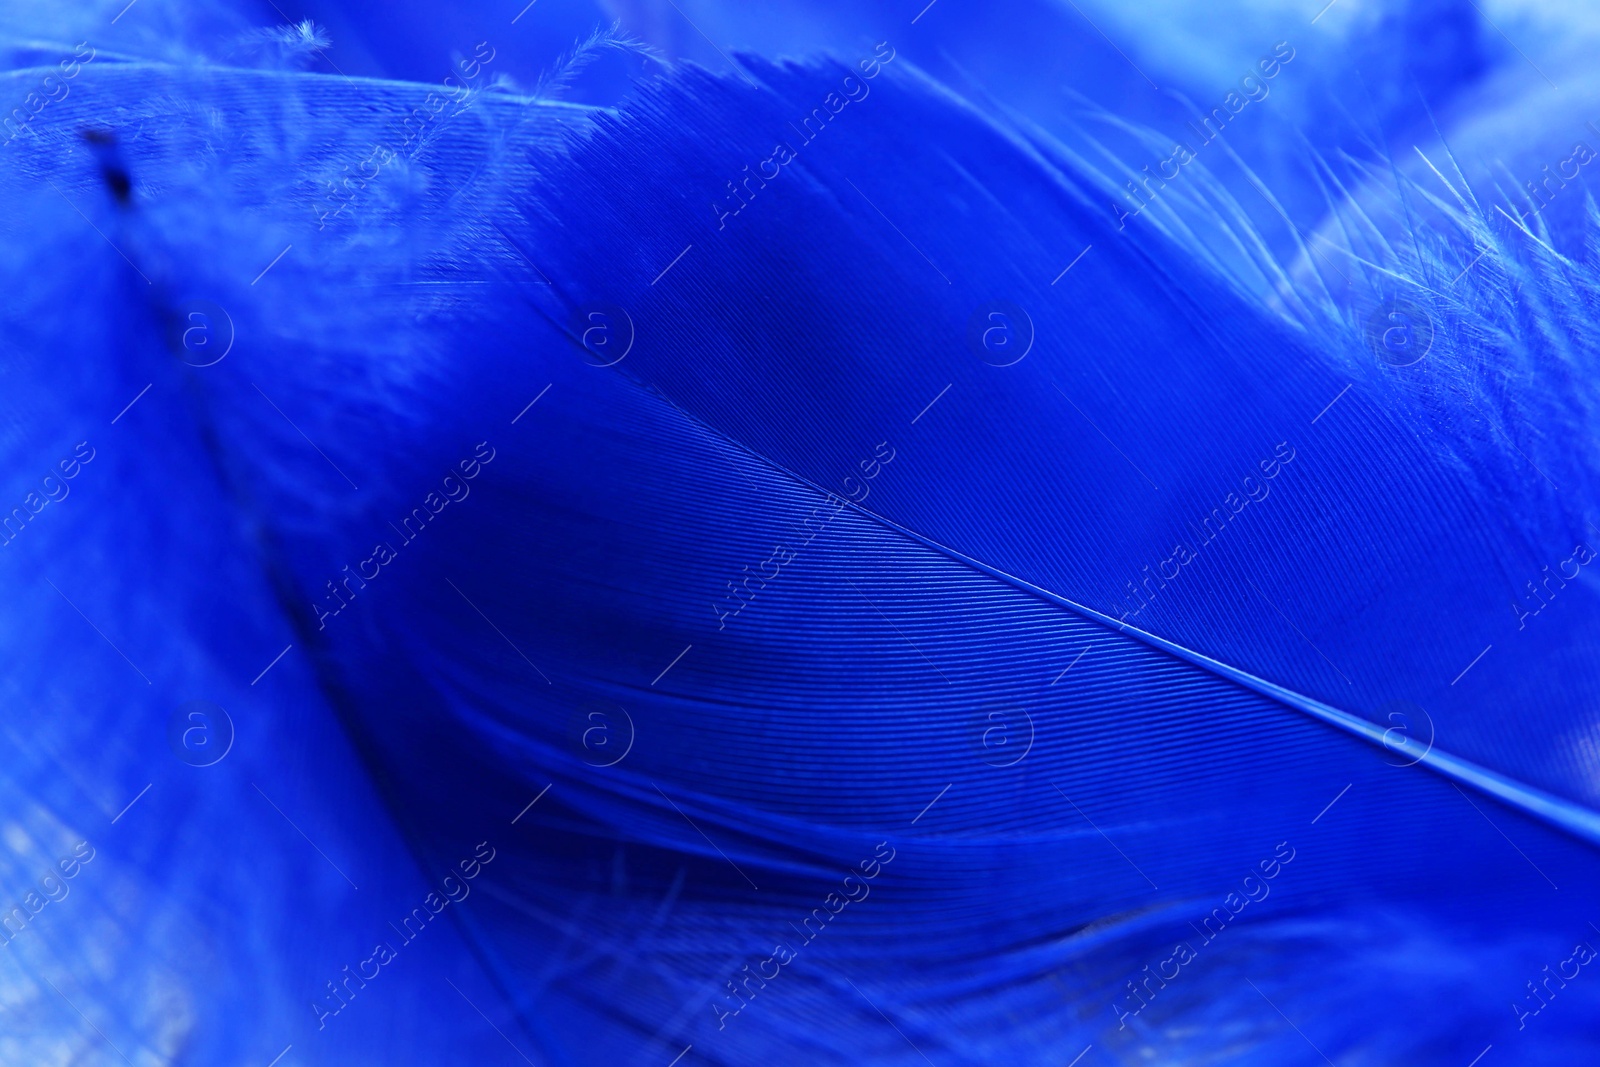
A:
x: 811, y: 647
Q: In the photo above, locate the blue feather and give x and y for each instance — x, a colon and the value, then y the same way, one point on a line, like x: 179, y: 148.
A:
x: 791, y: 566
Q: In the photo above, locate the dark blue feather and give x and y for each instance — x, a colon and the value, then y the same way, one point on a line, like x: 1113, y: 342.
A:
x: 692, y: 540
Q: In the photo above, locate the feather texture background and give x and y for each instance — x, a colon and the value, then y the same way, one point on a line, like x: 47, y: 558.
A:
x: 660, y: 526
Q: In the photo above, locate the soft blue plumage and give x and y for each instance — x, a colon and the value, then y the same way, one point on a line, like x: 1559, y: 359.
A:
x: 809, y: 582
